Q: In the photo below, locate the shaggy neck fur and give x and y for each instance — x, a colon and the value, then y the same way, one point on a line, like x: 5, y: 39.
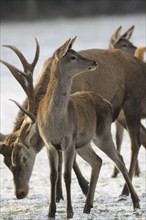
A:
x: 58, y: 92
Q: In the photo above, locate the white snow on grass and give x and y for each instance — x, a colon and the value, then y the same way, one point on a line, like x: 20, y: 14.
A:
x: 91, y: 33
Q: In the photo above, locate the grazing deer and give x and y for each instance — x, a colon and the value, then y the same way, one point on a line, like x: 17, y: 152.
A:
x: 69, y: 122
x: 108, y: 80
x: 122, y: 41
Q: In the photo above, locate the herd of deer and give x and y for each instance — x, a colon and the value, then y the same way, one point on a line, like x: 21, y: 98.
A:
x: 74, y: 101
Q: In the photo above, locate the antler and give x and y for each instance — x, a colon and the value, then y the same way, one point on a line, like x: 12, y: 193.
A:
x: 25, y: 78
x: 27, y: 66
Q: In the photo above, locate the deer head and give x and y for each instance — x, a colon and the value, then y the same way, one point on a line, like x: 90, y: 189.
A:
x: 15, y: 147
x: 71, y: 62
x: 123, y: 41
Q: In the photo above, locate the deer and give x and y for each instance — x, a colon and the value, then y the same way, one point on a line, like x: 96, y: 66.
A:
x: 69, y: 122
x: 122, y: 41
x: 121, y: 65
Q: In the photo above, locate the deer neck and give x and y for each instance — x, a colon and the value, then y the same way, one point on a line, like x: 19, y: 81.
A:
x: 58, y: 92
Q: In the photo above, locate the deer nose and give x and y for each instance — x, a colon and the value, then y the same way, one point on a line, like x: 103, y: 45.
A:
x: 21, y: 195
x: 21, y: 192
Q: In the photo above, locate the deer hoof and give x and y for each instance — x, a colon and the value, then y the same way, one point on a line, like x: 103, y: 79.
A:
x: 51, y: 218
x: 136, y: 205
x: 51, y: 214
x: 70, y: 214
x: 87, y: 209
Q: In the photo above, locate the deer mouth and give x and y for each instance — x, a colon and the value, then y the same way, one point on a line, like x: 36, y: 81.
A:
x: 92, y: 68
x: 21, y: 195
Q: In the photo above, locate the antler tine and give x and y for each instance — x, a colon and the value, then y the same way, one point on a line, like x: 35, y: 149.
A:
x: 19, y: 54
x: 28, y: 67
x: 31, y: 116
x: 37, y: 53
x: 24, y: 79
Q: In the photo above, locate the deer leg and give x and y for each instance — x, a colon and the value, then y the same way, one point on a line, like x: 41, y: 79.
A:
x: 137, y: 169
x: 133, y: 125
x: 53, y: 161
x: 122, y: 121
x: 59, y: 194
x: 119, y: 138
x: 143, y: 135
x: 81, y: 180
x: 143, y: 142
x: 88, y: 154
x: 105, y: 143
x: 69, y: 156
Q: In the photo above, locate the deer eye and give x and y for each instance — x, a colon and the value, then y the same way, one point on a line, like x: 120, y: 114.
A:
x: 73, y: 58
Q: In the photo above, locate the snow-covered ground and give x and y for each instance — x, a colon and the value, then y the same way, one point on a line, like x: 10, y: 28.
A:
x: 91, y: 33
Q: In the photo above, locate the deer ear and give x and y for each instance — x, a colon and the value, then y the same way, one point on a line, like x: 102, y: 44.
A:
x: 128, y: 33
x: 116, y: 34
x: 115, y: 37
x: 4, y: 148
x: 61, y: 51
x: 72, y: 42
